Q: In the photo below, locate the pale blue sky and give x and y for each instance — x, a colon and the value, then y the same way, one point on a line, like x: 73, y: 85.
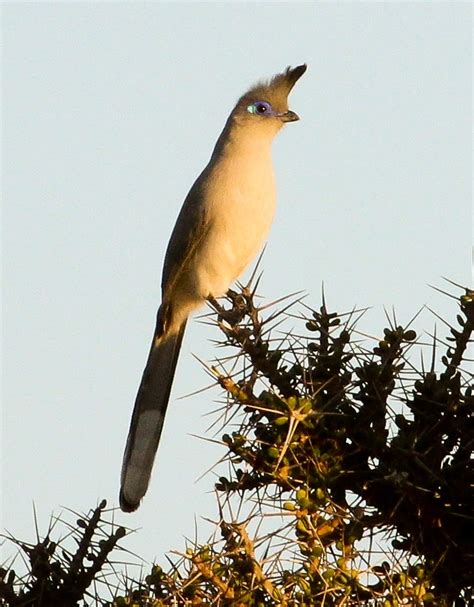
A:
x: 110, y: 111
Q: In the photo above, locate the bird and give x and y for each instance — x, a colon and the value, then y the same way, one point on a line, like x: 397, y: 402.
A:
x: 223, y: 223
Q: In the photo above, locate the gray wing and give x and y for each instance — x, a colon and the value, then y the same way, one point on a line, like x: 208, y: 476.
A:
x: 190, y: 227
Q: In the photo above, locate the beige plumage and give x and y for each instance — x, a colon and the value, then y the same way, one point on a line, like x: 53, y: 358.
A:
x: 223, y: 223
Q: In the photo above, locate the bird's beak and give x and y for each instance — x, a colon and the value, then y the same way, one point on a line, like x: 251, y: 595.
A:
x: 288, y: 116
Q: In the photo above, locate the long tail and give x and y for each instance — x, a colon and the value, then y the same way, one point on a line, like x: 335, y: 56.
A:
x: 148, y: 417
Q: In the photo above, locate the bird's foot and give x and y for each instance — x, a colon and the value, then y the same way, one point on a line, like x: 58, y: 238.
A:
x: 235, y: 314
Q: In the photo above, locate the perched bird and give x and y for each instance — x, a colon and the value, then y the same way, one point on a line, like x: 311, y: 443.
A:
x: 223, y: 223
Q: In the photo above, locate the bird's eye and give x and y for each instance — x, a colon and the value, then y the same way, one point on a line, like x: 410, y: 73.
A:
x: 260, y: 107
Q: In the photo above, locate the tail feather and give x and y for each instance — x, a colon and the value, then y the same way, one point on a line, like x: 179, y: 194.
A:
x: 148, y: 417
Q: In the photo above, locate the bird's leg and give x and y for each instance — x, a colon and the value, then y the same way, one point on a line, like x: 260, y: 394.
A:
x: 216, y: 305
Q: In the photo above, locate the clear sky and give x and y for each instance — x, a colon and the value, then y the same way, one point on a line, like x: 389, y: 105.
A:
x: 110, y: 111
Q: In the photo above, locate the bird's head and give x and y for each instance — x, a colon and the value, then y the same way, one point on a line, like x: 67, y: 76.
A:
x: 265, y: 106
